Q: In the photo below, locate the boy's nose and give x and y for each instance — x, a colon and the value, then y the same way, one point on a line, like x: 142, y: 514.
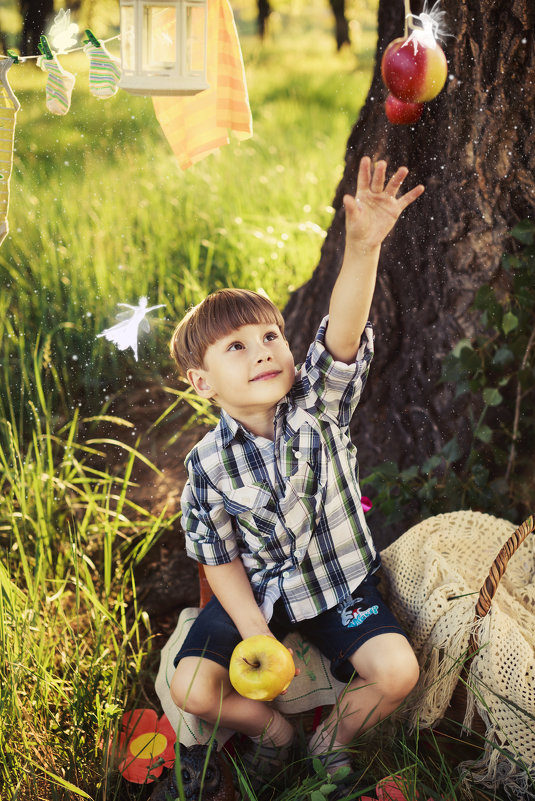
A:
x: 263, y: 354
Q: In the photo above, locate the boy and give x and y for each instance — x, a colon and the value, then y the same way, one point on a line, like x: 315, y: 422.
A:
x: 272, y: 503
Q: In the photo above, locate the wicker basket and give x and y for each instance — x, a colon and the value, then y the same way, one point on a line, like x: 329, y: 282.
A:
x: 483, y: 605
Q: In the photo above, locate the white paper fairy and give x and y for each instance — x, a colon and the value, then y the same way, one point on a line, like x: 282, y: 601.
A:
x: 125, y: 333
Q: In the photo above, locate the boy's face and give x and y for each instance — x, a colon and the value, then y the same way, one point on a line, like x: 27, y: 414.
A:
x: 246, y: 372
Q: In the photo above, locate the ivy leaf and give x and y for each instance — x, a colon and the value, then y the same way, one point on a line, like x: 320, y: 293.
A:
x: 492, y: 397
x: 524, y: 232
x: 509, y: 322
x: 503, y: 355
x: 451, y: 450
x: 484, y: 433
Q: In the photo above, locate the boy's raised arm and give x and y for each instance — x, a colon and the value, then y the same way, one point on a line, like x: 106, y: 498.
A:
x: 370, y: 216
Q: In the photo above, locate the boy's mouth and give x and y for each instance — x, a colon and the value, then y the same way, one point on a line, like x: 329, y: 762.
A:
x: 267, y: 375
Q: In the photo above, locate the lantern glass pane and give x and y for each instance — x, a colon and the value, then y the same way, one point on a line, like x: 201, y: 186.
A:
x: 159, y: 25
x: 195, y: 29
x: 127, y: 38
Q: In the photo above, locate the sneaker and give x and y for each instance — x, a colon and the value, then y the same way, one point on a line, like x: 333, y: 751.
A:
x: 264, y: 766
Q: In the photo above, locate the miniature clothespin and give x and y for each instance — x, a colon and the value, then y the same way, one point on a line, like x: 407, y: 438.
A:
x: 14, y: 56
x: 44, y: 48
x: 91, y: 38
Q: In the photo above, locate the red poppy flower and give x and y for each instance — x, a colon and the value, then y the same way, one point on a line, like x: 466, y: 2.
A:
x: 146, y: 746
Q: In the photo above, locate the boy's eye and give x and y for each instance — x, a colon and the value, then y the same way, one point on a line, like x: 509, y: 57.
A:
x: 271, y: 335
x: 235, y: 346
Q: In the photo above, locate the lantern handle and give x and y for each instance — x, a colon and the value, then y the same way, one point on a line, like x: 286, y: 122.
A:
x: 91, y: 38
x: 44, y: 48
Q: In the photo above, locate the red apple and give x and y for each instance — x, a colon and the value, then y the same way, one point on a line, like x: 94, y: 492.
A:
x: 412, y: 70
x: 261, y: 667
x: 401, y: 113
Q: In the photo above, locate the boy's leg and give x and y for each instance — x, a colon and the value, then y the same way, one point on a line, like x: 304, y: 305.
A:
x: 387, y: 670
x: 202, y: 687
x: 201, y: 684
x: 368, y: 649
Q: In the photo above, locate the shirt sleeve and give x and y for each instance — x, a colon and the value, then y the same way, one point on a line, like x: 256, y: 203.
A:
x: 208, y: 527
x: 334, y: 387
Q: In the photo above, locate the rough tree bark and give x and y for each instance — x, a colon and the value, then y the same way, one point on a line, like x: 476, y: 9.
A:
x: 474, y: 149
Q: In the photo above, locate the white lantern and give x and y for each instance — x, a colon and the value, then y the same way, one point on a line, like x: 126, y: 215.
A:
x: 163, y: 46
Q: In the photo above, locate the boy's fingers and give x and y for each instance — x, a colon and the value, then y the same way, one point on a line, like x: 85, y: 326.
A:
x: 411, y: 196
x: 378, y: 178
x: 392, y: 187
x: 364, y: 174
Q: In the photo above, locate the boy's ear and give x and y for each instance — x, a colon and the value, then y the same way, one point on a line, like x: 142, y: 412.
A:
x: 198, y: 381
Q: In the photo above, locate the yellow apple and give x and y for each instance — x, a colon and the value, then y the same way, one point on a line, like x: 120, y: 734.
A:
x: 261, y: 667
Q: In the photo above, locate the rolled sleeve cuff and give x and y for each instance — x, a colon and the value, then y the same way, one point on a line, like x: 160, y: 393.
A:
x: 209, y: 552
x: 320, y: 359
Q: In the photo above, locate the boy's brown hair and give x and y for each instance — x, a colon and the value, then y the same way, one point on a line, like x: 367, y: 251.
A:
x: 216, y: 316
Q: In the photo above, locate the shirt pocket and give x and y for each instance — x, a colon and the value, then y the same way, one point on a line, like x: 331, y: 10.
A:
x: 301, y: 501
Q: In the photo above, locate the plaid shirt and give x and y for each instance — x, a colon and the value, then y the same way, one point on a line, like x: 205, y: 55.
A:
x: 289, y: 508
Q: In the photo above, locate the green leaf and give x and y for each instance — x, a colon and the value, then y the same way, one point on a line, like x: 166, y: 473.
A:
x: 316, y: 795
x: 524, y: 232
x: 327, y: 788
x: 503, y: 355
x: 429, y: 465
x: 484, y: 433
x: 460, y: 388
x: 319, y: 768
x: 492, y: 396
x: 341, y: 773
x: 451, y: 450
x: 509, y: 322
x: 410, y: 472
x: 461, y: 344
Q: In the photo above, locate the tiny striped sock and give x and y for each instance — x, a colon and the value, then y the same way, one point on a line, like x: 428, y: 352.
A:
x: 58, y: 86
x: 104, y: 71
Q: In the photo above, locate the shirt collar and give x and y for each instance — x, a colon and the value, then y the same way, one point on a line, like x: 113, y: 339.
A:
x: 229, y: 429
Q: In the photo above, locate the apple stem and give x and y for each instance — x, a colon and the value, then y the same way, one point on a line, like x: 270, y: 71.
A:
x: 251, y: 664
x: 408, y: 14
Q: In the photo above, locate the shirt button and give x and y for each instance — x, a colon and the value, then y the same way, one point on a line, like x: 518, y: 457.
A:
x: 297, y: 454
x: 286, y: 574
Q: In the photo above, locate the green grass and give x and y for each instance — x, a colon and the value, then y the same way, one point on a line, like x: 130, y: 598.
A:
x: 101, y: 214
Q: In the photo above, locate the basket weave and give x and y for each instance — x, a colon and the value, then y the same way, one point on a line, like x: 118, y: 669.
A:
x: 482, y: 608
x: 477, y: 660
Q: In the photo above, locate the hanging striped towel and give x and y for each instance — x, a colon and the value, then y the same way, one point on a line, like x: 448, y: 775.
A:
x: 198, y: 125
x: 9, y: 105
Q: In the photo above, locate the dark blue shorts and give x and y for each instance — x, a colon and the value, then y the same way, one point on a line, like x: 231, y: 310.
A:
x: 337, y: 633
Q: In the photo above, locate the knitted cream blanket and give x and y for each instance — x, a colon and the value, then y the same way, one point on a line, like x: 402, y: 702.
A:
x: 434, y: 572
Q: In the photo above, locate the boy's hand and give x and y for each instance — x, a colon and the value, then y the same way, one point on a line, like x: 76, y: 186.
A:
x: 374, y: 210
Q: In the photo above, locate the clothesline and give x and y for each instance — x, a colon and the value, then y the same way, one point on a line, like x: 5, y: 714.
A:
x: 22, y: 59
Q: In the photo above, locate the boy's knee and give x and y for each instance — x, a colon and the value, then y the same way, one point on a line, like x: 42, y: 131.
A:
x: 397, y: 680
x: 195, y: 694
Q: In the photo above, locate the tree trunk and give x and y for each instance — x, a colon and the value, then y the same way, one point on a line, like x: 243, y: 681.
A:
x: 340, y: 21
x: 474, y: 150
x: 264, y: 10
x: 37, y: 15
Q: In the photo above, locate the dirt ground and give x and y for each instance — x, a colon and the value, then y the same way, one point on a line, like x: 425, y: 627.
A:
x: 167, y: 579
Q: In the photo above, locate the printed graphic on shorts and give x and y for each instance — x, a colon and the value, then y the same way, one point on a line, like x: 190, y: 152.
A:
x: 353, y: 614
